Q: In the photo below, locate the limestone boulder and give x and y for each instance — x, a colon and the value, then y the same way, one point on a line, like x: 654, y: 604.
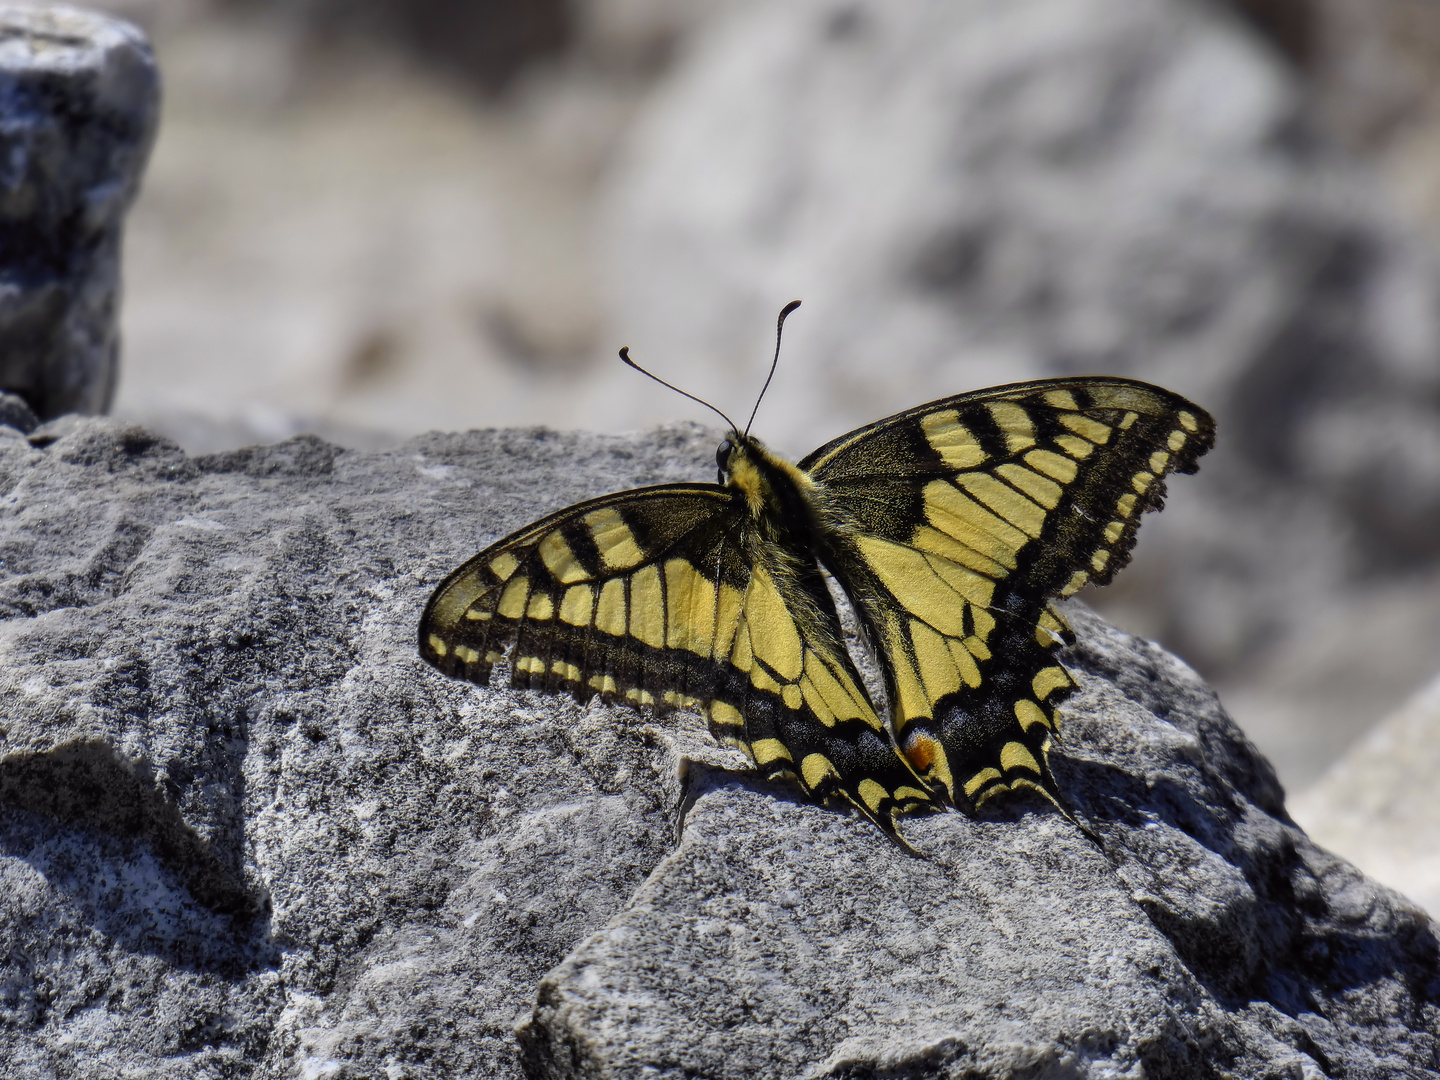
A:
x: 246, y: 832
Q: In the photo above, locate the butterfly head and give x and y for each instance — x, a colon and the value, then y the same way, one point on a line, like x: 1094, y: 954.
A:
x: 738, y: 461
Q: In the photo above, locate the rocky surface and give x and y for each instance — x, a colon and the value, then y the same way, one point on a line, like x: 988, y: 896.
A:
x: 1378, y: 805
x: 79, y: 103
x: 245, y: 832
x: 1206, y: 937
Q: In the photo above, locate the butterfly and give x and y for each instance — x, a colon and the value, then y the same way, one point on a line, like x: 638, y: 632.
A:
x: 951, y: 527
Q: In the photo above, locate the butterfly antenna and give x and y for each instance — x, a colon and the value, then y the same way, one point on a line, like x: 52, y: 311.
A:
x: 625, y: 355
x: 779, y: 329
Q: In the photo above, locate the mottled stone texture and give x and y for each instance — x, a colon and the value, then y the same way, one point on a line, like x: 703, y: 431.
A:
x: 1205, y: 937
x: 79, y: 101
x: 245, y: 832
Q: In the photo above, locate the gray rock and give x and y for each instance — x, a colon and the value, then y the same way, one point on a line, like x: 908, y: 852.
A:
x: 79, y: 103
x: 1205, y: 937
x: 1378, y: 805
x: 245, y: 831
x: 16, y: 414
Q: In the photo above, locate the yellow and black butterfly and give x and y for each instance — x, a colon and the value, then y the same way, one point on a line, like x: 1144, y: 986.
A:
x: 950, y: 526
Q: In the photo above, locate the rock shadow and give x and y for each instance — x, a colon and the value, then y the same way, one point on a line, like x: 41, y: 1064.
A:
x: 156, y: 885
x: 1294, y: 924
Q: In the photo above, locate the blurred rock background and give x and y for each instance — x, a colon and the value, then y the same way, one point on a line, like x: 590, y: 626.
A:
x: 375, y: 218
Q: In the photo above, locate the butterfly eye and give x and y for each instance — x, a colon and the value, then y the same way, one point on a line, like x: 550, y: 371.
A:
x: 722, y: 453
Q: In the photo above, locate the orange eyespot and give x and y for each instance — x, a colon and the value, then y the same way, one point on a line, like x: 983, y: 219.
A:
x: 922, y: 752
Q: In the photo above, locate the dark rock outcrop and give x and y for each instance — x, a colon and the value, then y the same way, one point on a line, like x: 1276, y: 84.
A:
x: 79, y: 103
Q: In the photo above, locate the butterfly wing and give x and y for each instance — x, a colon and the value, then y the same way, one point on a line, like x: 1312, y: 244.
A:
x: 666, y: 597
x: 956, y: 524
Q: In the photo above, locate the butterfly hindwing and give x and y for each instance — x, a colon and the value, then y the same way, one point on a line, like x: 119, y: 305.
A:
x: 795, y: 702
x: 958, y: 521
x: 667, y: 597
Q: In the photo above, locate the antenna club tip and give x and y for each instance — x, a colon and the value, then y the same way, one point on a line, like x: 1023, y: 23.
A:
x: 779, y: 329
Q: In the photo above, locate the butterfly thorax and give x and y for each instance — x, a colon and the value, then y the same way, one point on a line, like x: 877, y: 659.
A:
x: 788, y: 536
x: 781, y: 498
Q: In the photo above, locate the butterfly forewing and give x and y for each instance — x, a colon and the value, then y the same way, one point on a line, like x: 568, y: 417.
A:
x: 956, y: 522
x: 581, y: 598
x: 664, y: 598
